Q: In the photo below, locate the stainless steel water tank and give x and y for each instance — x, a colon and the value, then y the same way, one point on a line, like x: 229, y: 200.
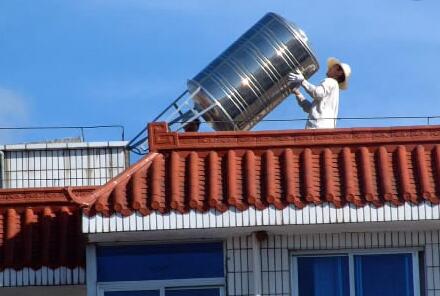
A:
x: 249, y: 79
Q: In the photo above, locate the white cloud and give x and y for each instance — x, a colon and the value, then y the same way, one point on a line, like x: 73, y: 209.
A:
x: 13, y: 107
x: 14, y: 111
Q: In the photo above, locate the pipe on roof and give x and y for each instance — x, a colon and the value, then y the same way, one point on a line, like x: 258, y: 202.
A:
x: 2, y: 168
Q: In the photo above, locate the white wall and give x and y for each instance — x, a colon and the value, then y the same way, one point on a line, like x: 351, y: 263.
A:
x: 62, y: 164
x: 45, y: 291
x: 276, y: 251
x: 321, y: 214
x: 43, y: 276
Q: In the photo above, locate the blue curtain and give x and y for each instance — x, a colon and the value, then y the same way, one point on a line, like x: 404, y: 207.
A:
x: 323, y: 276
x: 389, y: 275
x: 160, y: 262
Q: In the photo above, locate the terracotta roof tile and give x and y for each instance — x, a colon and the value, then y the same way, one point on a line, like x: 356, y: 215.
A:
x: 41, y: 227
x: 241, y: 169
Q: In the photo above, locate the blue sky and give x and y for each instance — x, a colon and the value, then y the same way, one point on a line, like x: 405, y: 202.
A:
x: 121, y: 62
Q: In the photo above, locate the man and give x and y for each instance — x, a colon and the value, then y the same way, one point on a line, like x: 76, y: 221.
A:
x: 323, y: 110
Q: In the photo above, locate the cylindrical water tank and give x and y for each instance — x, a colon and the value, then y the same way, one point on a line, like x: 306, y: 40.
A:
x: 249, y: 79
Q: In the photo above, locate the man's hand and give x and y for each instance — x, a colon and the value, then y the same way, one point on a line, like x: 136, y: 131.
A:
x: 296, y: 77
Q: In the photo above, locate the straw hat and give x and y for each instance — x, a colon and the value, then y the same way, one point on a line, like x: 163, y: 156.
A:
x: 345, y: 68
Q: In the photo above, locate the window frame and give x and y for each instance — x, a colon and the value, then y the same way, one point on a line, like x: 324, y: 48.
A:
x: 97, y: 288
x: 350, y: 253
x: 161, y: 285
x: 94, y: 254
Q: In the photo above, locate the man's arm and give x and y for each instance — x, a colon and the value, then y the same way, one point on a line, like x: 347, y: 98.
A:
x: 302, y: 102
x: 316, y: 92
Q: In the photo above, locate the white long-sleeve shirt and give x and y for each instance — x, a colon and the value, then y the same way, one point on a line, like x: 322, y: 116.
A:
x: 323, y: 110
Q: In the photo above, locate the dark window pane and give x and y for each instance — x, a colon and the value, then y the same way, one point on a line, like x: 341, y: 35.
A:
x: 159, y: 262
x: 133, y: 293
x: 323, y: 276
x: 389, y: 274
x: 193, y: 292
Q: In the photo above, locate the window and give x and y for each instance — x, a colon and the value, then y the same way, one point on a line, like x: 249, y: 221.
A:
x: 160, y: 270
x: 193, y: 292
x: 356, y: 274
x: 134, y: 293
x: 181, y: 291
x: 159, y: 262
x: 163, y: 288
x: 323, y: 275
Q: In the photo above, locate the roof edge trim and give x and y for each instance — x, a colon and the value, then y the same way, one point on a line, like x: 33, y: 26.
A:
x: 161, y: 139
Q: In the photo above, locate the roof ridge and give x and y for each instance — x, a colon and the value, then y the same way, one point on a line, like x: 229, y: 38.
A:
x: 41, y: 195
x: 161, y: 139
x: 105, y: 190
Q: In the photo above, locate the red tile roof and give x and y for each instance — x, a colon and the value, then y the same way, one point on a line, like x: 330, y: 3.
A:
x: 241, y: 169
x: 42, y: 227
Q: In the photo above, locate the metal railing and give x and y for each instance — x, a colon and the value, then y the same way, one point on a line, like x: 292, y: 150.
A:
x: 80, y: 128
x: 139, y: 146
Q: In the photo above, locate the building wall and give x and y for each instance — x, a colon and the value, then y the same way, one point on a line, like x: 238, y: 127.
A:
x: 43, y: 276
x: 277, y: 250
x: 61, y: 164
x: 45, y: 291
